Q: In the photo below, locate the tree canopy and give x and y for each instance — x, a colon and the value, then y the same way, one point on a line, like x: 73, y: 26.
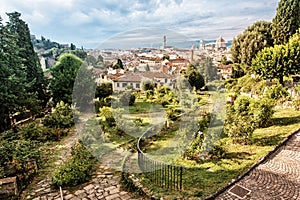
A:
x: 30, y: 61
x: 253, y: 39
x: 194, y: 77
x: 279, y: 61
x: 287, y: 20
x: 63, y: 77
x: 22, y: 85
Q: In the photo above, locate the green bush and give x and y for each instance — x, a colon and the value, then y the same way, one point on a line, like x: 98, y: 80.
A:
x: 262, y: 111
x: 19, y: 158
x: 75, y: 171
x: 277, y: 92
x: 62, y: 117
x: 34, y: 131
x: 246, y: 115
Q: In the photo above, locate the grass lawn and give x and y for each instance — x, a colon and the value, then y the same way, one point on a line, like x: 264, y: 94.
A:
x: 202, y: 179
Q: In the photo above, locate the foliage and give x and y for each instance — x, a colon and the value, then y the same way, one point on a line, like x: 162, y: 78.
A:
x: 194, y: 150
x: 60, y: 118
x: 246, y: 115
x: 262, y: 110
x: 103, y: 90
x: 276, y: 92
x: 278, y: 61
x: 207, y: 69
x: 118, y: 64
x: 127, y: 98
x: 246, y: 45
x: 239, y: 124
x: 84, y: 88
x: 286, y: 22
x: 147, y: 84
x: 63, y: 77
x: 34, y: 131
x: 22, y: 81
x: 17, y: 158
x: 44, y: 44
x: 34, y: 73
x: 194, y: 77
x: 106, y: 116
x: 76, y: 170
x: 164, y: 95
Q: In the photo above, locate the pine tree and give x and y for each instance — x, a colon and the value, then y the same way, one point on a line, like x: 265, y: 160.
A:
x: 13, y: 86
x: 287, y: 20
x: 30, y: 61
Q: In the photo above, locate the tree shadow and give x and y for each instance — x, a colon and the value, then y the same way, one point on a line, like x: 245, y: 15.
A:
x: 237, y: 155
x: 268, y: 141
x: 284, y: 121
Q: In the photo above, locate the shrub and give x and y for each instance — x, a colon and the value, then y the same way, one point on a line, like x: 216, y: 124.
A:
x: 246, y: 115
x: 19, y: 158
x: 262, y: 111
x: 61, y: 118
x: 75, y: 171
x: 34, y: 131
x: 276, y: 92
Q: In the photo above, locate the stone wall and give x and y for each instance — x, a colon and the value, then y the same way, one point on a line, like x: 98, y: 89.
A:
x: 8, y: 188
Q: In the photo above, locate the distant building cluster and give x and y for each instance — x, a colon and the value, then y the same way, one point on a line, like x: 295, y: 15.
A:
x: 160, y: 65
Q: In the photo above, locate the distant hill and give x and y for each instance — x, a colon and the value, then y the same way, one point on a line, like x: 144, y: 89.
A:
x: 46, y: 44
x: 49, y: 51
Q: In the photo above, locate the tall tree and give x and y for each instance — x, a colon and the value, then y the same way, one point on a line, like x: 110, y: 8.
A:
x: 208, y: 70
x: 30, y: 61
x: 246, y: 45
x: 287, y: 20
x: 84, y: 88
x: 194, y: 77
x: 13, y: 86
x: 63, y: 77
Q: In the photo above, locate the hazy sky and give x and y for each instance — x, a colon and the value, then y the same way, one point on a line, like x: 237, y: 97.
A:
x: 89, y: 23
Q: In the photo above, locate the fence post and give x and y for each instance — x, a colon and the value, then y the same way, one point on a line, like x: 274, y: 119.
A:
x: 180, y: 177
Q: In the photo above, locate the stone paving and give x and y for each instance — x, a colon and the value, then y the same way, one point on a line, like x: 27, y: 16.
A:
x: 103, y: 185
x: 276, y: 178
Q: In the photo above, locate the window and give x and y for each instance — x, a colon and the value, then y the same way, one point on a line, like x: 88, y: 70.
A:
x: 118, y: 84
x: 166, y: 80
x: 124, y: 85
x: 137, y: 85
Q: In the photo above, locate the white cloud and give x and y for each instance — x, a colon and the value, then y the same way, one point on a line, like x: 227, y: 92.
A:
x: 88, y: 21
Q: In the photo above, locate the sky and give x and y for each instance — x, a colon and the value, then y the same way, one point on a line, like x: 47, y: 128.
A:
x: 133, y: 23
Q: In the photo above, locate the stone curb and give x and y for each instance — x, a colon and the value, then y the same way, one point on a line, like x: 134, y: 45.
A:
x: 247, y: 172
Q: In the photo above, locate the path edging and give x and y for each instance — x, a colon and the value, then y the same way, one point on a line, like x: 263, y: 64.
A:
x: 247, y: 172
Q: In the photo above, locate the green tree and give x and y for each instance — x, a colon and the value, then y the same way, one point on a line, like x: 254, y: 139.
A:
x: 30, y: 61
x: 207, y: 69
x: 278, y: 61
x: 84, y: 88
x: 287, y: 20
x: 246, y: 45
x: 194, y: 77
x: 63, y: 77
x: 147, y: 84
x: 14, y: 87
x: 73, y: 47
x: 103, y: 90
x: 91, y: 60
x: 118, y: 65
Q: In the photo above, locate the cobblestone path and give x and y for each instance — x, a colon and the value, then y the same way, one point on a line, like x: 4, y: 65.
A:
x: 104, y: 185
x: 277, y: 178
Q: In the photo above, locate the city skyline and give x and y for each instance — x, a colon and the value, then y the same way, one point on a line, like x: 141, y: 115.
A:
x: 92, y: 23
